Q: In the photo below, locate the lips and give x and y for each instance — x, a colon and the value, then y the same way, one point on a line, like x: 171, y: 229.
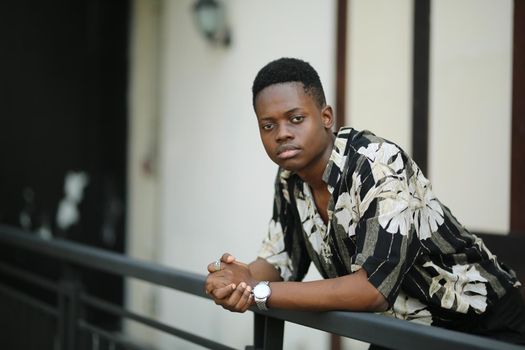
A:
x: 287, y: 151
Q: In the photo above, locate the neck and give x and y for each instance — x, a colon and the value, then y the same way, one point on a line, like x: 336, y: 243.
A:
x: 314, y: 175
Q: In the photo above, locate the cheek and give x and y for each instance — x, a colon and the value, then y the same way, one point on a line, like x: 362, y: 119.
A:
x: 267, y: 144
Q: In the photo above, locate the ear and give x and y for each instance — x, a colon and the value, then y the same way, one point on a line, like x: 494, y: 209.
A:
x: 327, y: 117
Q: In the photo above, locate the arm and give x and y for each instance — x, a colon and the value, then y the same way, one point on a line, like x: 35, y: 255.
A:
x: 350, y: 292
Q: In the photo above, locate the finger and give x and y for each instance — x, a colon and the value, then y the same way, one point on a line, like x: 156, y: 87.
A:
x: 244, y: 299
x: 227, y: 258
x: 216, y: 280
x: 236, y: 296
x: 211, y: 267
x: 223, y: 292
x: 248, y: 303
x: 210, y: 287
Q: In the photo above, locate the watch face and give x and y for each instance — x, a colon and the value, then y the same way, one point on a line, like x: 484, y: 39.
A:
x: 261, y: 291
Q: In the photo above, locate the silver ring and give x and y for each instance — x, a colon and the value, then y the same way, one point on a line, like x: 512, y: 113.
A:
x: 217, y: 265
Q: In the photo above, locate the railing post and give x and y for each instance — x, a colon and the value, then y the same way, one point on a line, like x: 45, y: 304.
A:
x: 268, y: 333
x: 68, y: 313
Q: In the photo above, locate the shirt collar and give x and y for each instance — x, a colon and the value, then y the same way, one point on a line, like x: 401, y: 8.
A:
x: 337, y: 160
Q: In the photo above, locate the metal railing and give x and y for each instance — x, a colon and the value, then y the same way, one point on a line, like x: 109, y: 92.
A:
x: 268, y: 326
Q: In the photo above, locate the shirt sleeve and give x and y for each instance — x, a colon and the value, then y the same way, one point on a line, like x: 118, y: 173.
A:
x: 386, y: 241
x: 283, y: 247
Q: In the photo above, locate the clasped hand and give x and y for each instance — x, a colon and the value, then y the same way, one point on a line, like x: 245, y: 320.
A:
x: 231, y: 286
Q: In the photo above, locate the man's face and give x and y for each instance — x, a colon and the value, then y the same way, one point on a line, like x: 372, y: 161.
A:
x: 295, y: 131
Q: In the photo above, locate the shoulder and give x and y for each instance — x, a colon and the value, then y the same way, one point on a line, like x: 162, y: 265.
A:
x: 366, y: 142
x: 350, y: 141
x: 365, y: 150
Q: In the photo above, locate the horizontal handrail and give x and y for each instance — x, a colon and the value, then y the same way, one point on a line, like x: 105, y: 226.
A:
x: 368, y: 327
x: 28, y: 277
x: 96, y: 303
x: 390, y: 332
x: 116, y: 310
x: 38, y: 305
x: 107, y: 335
x: 104, y: 260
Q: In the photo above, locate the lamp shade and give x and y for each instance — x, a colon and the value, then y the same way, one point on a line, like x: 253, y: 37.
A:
x: 210, y: 18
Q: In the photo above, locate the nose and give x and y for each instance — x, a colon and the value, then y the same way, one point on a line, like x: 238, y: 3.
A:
x: 284, y: 133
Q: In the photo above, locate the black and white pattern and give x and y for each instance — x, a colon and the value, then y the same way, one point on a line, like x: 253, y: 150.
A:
x: 384, y: 217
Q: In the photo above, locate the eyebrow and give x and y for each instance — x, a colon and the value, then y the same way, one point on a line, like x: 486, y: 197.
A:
x: 290, y: 111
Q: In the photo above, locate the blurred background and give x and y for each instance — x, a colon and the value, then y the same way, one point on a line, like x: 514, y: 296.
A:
x: 128, y: 125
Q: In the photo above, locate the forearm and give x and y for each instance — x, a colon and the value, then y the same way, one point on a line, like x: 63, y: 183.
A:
x: 351, y: 292
x: 236, y: 280
x: 261, y: 270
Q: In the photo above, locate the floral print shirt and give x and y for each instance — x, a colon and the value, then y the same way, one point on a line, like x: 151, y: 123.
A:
x: 383, y: 217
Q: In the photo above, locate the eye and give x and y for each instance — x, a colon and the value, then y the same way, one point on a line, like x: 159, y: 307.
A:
x: 267, y: 126
x: 296, y: 119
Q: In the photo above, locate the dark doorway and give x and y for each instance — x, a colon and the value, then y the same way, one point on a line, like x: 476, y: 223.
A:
x: 63, y: 87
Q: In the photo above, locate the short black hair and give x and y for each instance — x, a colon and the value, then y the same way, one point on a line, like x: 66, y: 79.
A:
x: 288, y: 70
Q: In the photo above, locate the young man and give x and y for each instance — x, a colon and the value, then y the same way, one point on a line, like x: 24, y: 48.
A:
x: 359, y: 208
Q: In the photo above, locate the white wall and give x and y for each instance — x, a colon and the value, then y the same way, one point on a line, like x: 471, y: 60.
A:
x: 216, y: 178
x: 379, y: 80
x: 470, y: 110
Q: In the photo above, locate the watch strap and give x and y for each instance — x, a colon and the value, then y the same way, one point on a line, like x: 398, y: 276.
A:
x: 261, y: 304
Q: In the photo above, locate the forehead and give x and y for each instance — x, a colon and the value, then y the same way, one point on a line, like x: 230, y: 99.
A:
x: 282, y: 97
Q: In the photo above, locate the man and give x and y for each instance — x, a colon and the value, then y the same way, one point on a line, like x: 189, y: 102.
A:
x: 359, y: 208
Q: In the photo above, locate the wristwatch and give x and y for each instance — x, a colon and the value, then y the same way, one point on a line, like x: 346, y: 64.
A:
x: 261, y: 293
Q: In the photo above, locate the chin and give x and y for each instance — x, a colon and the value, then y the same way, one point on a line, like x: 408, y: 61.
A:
x: 290, y: 166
